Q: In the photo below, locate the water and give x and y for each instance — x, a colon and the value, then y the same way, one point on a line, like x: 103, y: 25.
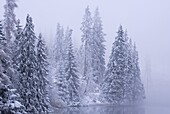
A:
x: 115, y: 110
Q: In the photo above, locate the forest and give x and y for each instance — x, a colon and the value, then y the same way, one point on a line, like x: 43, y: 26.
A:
x: 35, y: 78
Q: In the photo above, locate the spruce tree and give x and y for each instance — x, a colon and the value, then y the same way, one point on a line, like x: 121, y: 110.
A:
x: 138, y: 88
x: 114, y: 83
x: 62, y: 84
x: 28, y: 79
x: 71, y: 71
x: 10, y: 20
x: 42, y: 73
x: 86, y: 29
x: 98, y: 48
x: 58, y: 50
x: 15, y: 52
x: 17, y: 42
x: 128, y: 80
x: 9, y: 98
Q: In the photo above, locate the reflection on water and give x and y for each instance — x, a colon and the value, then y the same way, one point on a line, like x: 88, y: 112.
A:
x: 102, y: 110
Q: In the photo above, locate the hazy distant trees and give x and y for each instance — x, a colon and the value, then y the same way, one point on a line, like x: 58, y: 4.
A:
x: 91, y: 54
x: 9, y: 19
x: 79, y: 76
x: 67, y: 76
x: 58, y: 49
x: 122, y: 83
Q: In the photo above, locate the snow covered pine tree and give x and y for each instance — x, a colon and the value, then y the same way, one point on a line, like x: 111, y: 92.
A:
x: 71, y: 72
x: 9, y: 98
x: 98, y: 48
x: 122, y: 84
x: 28, y: 77
x: 87, y: 41
x: 9, y: 21
x: 42, y: 73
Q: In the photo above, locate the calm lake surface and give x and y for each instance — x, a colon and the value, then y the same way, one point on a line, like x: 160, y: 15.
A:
x: 115, y: 110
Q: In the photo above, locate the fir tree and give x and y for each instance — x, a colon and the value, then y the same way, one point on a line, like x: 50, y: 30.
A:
x: 9, y: 98
x: 114, y: 83
x: 17, y: 42
x: 86, y: 29
x: 138, y: 88
x: 128, y: 80
x: 10, y: 20
x: 62, y: 84
x: 71, y: 72
x: 59, y: 43
x: 42, y: 73
x: 28, y: 79
x: 98, y: 48
x: 15, y: 52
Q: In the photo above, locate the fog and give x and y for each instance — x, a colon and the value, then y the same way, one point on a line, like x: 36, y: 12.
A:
x: 147, y: 22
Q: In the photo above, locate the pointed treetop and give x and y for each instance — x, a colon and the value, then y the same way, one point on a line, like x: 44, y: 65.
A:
x: 87, y: 11
x: 87, y: 8
x: 29, y: 19
x: 97, y: 15
x: 97, y: 11
x: 120, y: 28
x: 120, y: 33
x: 40, y: 36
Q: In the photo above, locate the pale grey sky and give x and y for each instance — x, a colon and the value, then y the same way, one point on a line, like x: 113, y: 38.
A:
x: 147, y: 22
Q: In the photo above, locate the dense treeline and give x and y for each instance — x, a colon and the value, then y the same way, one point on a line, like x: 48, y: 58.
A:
x: 79, y: 76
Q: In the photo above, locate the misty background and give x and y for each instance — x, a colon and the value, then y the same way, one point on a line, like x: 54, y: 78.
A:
x: 147, y: 22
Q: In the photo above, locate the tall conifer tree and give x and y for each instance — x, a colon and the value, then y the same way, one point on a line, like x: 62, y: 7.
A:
x: 28, y: 79
x: 42, y: 73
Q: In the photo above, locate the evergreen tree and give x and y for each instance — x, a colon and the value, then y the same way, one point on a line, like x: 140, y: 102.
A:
x: 60, y: 55
x: 9, y: 98
x: 28, y: 79
x: 128, y: 81
x: 17, y: 42
x: 62, y: 84
x: 86, y: 28
x: 42, y: 73
x: 98, y: 48
x: 138, y: 88
x: 9, y: 21
x: 114, y: 83
x: 15, y: 52
x: 71, y: 72
x: 67, y: 79
x: 58, y: 50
